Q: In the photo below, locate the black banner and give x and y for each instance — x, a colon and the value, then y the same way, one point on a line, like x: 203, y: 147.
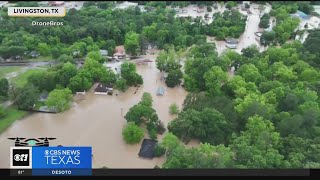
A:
x: 182, y: 172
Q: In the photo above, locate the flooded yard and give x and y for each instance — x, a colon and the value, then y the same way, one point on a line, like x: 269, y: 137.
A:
x: 97, y: 121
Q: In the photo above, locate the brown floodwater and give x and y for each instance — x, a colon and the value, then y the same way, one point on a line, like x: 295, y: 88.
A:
x: 97, y: 121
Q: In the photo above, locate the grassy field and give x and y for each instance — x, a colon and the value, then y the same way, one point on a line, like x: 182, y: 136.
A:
x: 12, y: 115
x: 22, y: 78
x: 8, y: 69
x: 40, y: 58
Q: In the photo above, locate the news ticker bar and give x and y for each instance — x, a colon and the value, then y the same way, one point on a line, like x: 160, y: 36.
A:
x: 166, y: 172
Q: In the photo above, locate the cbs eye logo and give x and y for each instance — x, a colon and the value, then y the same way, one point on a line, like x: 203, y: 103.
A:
x: 20, y: 157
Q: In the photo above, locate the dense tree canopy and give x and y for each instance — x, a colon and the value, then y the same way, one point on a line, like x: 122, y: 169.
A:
x: 24, y: 97
x: 132, y: 134
x: 128, y: 72
x: 4, y: 87
x: 143, y: 113
x: 59, y: 99
x: 208, y: 125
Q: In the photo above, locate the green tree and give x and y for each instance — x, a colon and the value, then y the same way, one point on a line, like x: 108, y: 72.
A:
x: 55, y: 52
x: 250, y: 52
x: 231, y: 4
x: 170, y: 141
x: 305, y: 7
x: 174, y: 108
x: 143, y: 113
x: 250, y: 73
x: 267, y: 38
x: 65, y: 58
x: 121, y: 84
x: 214, y: 79
x: 161, y: 61
x: 4, y: 87
x: 264, y: 21
x: 67, y: 72
x: 24, y: 97
x: 44, y: 80
x: 128, y: 72
x: 108, y: 76
x: 97, y: 71
x: 173, y: 78
x: 131, y: 43
x: 159, y: 151
x: 59, y: 99
x: 44, y: 49
x: 257, y: 145
x: 208, y: 125
x: 96, y: 55
x: 146, y: 99
x: 3, y: 112
x: 79, y: 83
x: 132, y: 134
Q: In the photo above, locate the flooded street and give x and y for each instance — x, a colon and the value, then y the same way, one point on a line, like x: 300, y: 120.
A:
x: 97, y: 121
x: 248, y: 38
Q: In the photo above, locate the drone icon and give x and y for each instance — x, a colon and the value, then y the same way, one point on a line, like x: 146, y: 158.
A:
x: 32, y: 141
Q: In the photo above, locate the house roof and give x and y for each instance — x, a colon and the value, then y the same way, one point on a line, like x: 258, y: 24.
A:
x: 119, y: 50
x: 34, y: 53
x: 160, y: 91
x: 103, y: 52
x: 302, y: 14
x: 109, y: 85
x: 147, y: 148
x: 231, y: 40
x: 232, y: 46
x: 44, y: 96
x: 103, y: 87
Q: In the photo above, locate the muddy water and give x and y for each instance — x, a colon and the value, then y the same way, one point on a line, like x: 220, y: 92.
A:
x: 97, y: 121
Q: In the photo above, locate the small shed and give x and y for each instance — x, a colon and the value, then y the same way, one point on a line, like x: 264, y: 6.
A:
x: 231, y: 40
x: 43, y: 97
x: 160, y: 91
x: 103, y: 52
x: 231, y: 46
x: 302, y: 14
x: 34, y: 54
x: 147, y: 148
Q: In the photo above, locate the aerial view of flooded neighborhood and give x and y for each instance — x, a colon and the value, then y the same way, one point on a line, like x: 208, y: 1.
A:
x: 165, y: 84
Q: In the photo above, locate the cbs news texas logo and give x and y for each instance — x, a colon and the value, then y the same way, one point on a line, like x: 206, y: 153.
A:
x: 37, y: 157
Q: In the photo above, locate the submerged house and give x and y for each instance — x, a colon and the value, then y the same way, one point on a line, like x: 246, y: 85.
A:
x: 103, y: 52
x: 231, y: 40
x: 119, y: 52
x: 147, y: 148
x: 103, y: 89
x: 34, y: 54
x: 43, y: 97
x: 231, y: 46
x: 160, y: 91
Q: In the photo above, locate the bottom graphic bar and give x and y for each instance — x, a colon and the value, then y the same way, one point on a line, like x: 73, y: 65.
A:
x: 61, y: 172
